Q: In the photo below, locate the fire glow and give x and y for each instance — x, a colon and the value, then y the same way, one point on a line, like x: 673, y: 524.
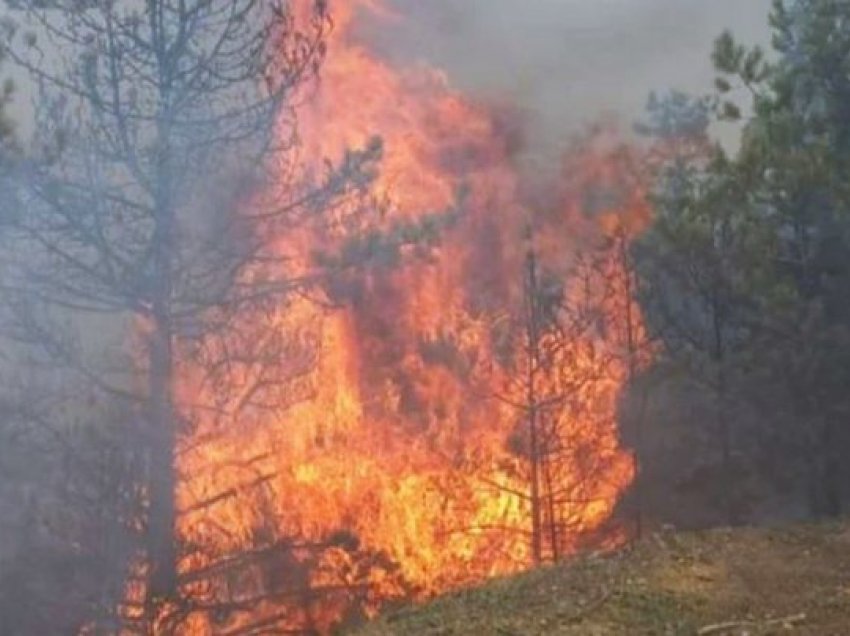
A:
x: 398, y: 472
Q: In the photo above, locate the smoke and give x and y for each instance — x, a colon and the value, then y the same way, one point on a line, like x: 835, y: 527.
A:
x: 566, y: 63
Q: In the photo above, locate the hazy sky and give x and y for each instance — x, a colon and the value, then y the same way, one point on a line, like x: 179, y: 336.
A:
x: 570, y: 61
x: 566, y: 62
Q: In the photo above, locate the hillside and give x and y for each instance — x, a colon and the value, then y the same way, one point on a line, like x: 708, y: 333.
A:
x: 742, y: 581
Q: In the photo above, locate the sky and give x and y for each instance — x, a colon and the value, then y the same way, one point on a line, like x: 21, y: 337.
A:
x: 565, y: 63
x: 570, y: 62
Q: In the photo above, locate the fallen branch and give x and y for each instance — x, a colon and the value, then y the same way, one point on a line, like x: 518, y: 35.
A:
x: 719, y: 628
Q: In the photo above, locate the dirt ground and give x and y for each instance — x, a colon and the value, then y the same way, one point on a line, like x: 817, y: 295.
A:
x: 722, y: 582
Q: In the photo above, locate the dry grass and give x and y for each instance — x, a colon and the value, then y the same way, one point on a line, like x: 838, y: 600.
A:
x: 670, y: 584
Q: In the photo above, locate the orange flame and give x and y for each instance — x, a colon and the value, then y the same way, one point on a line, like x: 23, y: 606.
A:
x: 394, y: 469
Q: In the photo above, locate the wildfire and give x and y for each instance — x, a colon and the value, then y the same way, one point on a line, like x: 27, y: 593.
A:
x: 397, y: 466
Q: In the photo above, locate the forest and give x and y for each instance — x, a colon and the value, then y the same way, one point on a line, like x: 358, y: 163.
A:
x: 294, y: 333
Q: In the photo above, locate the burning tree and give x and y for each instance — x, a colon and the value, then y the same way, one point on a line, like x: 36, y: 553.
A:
x: 560, y: 370
x: 610, y: 181
x: 309, y: 443
x: 156, y: 123
x: 390, y: 443
x: 564, y: 368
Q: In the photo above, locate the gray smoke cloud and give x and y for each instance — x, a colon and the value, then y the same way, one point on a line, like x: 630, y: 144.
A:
x: 570, y: 62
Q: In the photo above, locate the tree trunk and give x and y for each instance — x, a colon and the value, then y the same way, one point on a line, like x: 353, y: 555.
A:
x: 163, y: 481
x: 551, y: 511
x: 828, y: 486
x: 161, y: 522
x: 632, y: 353
x: 724, y: 432
x: 533, y: 423
x: 163, y: 475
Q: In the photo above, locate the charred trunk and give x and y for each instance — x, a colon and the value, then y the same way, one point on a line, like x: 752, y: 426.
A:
x: 162, y: 478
